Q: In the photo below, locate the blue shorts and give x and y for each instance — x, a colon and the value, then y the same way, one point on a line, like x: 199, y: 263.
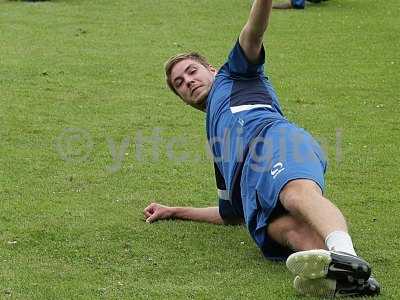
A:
x: 280, y: 153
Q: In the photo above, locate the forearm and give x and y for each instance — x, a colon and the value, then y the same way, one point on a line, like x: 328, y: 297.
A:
x: 259, y: 17
x: 206, y: 214
x: 251, y: 36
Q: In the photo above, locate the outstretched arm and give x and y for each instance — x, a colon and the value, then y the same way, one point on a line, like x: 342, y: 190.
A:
x: 156, y: 211
x: 251, y: 36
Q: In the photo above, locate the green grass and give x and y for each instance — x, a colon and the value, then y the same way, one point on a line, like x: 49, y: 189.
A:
x: 73, y: 228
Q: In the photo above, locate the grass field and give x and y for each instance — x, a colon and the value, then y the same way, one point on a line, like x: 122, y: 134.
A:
x: 82, y: 98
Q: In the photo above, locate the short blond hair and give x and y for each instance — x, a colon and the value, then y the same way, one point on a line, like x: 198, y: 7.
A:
x: 170, y: 63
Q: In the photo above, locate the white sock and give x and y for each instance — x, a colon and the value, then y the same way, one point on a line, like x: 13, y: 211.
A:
x: 340, y: 241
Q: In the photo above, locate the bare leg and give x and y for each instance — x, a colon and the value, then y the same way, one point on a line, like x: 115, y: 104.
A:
x: 303, y: 199
x: 295, y: 234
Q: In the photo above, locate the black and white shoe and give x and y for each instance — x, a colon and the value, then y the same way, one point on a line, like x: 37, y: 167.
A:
x: 330, y: 288
x: 319, y: 263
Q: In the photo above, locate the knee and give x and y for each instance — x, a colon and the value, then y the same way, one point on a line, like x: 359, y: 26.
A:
x: 291, y: 196
x: 296, y: 192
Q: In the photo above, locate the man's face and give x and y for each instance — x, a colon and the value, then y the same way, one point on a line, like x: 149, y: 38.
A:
x: 193, y: 82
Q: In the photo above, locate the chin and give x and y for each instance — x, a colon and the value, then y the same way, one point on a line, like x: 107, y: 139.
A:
x: 201, y: 98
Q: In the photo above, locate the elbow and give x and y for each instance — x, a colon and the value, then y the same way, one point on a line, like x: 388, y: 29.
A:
x: 254, y: 34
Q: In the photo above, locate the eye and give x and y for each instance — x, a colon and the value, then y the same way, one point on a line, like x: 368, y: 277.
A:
x: 193, y: 70
x: 178, y: 83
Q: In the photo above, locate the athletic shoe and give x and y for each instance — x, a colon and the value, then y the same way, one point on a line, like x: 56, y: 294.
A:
x: 329, y: 288
x: 320, y: 263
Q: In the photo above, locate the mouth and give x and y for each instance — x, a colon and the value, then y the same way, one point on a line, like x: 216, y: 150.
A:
x: 192, y: 92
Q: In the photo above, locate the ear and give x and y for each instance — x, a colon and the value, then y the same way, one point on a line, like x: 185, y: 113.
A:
x: 212, y: 69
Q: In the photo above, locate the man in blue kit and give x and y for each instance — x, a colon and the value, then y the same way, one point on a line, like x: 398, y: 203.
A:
x: 269, y: 173
x: 296, y: 4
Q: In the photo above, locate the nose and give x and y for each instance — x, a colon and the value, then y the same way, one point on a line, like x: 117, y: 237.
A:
x: 189, y: 82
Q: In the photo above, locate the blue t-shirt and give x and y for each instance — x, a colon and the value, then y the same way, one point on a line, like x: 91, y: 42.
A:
x: 299, y: 4
x: 241, y: 103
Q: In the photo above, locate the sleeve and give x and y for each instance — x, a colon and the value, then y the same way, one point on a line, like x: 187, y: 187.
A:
x: 238, y: 64
x: 226, y: 209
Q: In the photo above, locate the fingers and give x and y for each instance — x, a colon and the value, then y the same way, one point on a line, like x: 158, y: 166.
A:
x: 150, y: 208
x: 156, y: 211
x: 150, y: 212
x: 152, y: 218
